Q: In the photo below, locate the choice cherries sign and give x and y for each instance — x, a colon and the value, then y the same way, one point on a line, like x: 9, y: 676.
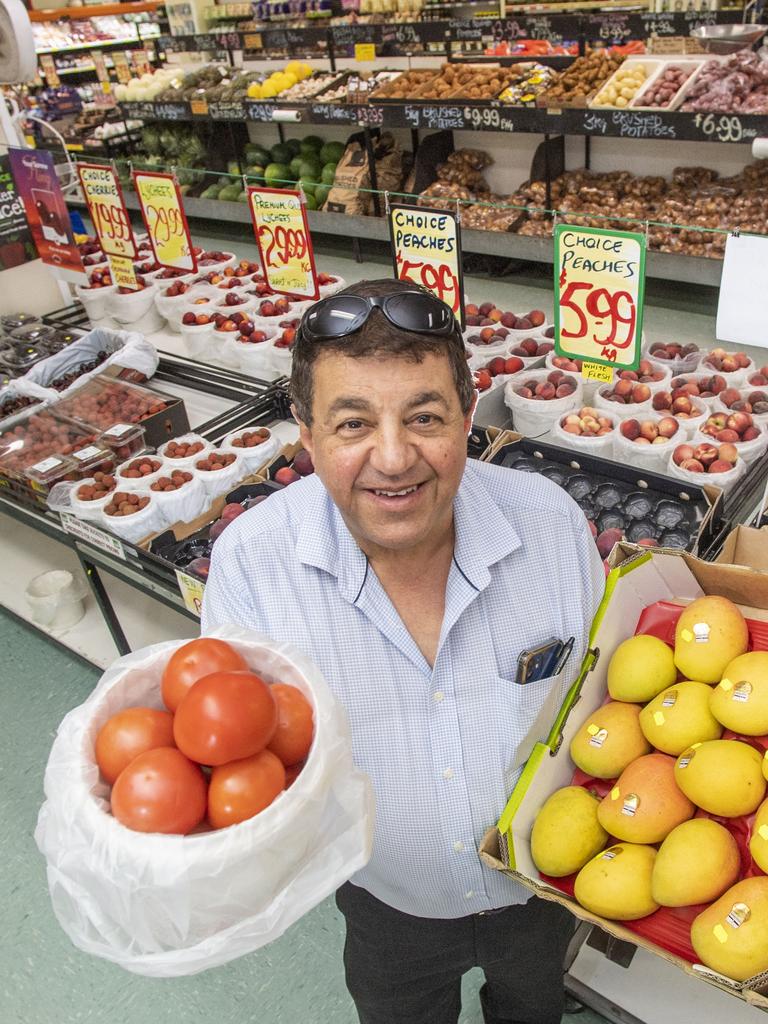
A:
x: 599, y: 289
x: 426, y: 247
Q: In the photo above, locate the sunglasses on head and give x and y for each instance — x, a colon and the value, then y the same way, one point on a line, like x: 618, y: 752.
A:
x: 340, y: 315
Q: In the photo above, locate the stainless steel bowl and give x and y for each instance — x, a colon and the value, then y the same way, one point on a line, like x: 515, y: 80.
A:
x: 728, y: 38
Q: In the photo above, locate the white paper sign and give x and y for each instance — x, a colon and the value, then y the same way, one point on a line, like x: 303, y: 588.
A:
x: 741, y: 315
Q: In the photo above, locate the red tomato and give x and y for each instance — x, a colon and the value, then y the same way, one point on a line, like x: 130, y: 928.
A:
x: 292, y: 773
x: 160, y: 791
x: 293, y: 736
x: 240, y: 789
x: 224, y: 717
x: 194, y: 660
x: 128, y: 734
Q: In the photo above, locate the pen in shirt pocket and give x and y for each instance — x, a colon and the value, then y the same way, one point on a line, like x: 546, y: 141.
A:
x: 564, y: 655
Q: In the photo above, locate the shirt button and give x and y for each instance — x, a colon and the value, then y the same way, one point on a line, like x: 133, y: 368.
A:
x: 448, y: 773
x: 468, y: 895
x: 458, y: 846
x: 437, y: 696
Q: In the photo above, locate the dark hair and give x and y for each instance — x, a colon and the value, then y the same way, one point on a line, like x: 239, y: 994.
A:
x: 378, y: 336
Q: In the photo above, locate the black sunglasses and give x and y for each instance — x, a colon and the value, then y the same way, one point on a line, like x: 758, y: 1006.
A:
x: 416, y: 311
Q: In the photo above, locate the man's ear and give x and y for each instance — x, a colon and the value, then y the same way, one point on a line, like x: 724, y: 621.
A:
x: 305, y: 432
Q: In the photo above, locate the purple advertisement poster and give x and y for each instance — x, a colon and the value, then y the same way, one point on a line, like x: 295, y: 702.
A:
x: 46, y: 212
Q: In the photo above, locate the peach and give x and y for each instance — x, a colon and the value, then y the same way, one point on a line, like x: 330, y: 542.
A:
x: 668, y: 427
x: 728, y: 453
x: 692, y: 465
x: 729, y: 396
x: 750, y: 434
x: 630, y: 429
x: 649, y: 430
x: 682, y: 406
x: 727, y: 435
x: 623, y: 388
x: 530, y: 346
x: 720, y: 466
x: 705, y: 453
x: 641, y: 393
x: 485, y: 308
x: 536, y: 317
x: 739, y: 421
x: 682, y: 453
x: 496, y: 315
x: 662, y: 400
x: 513, y: 364
x: 606, y: 540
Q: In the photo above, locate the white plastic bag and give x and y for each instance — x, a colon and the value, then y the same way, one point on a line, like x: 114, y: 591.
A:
x: 95, y: 299
x: 165, y: 905
x: 133, y: 528
x: 635, y: 410
x: 651, y: 457
x: 253, y: 458
x: 749, y: 451
x: 589, y: 444
x: 142, y: 483
x: 187, y: 462
x: 677, y: 366
x: 186, y: 502
x: 125, y: 348
x: 534, y: 418
x: 62, y: 497
x: 725, y: 481
x: 734, y: 378
x: 219, y: 481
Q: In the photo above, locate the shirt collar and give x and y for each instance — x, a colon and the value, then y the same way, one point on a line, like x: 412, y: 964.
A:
x: 483, y: 533
x: 483, y: 537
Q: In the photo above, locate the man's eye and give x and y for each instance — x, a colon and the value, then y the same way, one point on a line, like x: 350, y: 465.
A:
x: 352, y: 425
x: 426, y: 419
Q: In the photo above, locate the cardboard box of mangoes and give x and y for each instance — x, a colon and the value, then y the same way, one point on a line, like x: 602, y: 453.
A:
x: 699, y: 898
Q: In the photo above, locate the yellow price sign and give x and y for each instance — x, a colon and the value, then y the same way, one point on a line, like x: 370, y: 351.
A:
x: 165, y: 220
x: 282, y: 234
x: 599, y: 294
x: 365, y: 51
x: 597, y: 371
x: 123, y: 274
x: 199, y: 107
x: 192, y: 591
x: 106, y: 207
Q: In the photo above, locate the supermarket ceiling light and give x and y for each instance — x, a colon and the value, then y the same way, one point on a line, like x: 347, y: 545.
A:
x: 17, y: 48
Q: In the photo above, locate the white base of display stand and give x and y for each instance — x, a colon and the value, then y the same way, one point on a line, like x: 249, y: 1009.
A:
x: 654, y: 992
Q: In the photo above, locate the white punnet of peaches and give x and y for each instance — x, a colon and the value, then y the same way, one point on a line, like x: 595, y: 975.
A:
x: 177, y: 878
x: 678, y: 789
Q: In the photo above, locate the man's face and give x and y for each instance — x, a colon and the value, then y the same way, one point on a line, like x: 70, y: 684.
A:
x: 389, y: 441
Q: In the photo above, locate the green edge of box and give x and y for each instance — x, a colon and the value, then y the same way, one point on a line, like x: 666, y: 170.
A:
x: 542, y: 750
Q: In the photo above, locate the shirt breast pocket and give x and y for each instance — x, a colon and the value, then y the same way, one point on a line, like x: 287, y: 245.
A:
x: 529, y: 713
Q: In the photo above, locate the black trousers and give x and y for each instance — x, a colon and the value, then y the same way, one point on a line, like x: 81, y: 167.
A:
x: 402, y: 969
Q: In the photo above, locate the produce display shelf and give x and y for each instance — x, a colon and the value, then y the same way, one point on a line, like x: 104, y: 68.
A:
x: 667, y: 266
x: 99, y: 44
x: 605, y: 26
x: 488, y: 116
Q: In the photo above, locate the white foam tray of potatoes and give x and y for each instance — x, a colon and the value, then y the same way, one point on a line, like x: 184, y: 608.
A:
x: 683, y: 61
x: 611, y: 92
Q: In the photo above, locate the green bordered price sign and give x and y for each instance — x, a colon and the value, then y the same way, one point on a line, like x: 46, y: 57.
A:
x: 426, y: 249
x: 599, y: 293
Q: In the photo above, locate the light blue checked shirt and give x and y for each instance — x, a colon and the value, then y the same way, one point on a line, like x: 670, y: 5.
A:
x: 443, y: 746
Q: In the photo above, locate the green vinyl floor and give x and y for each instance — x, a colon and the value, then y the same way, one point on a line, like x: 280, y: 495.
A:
x: 45, y: 980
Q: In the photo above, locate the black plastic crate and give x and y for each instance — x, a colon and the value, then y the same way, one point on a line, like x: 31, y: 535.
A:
x: 177, y: 554
x: 612, y: 495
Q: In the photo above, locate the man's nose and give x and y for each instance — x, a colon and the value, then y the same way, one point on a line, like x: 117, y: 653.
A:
x: 393, y: 454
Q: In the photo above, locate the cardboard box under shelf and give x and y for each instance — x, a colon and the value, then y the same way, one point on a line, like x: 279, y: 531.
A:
x: 746, y: 546
x: 641, y: 577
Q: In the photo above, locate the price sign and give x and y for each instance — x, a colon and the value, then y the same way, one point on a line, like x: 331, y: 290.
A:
x: 599, y: 288
x: 107, y: 209
x: 282, y: 234
x: 123, y: 274
x: 165, y: 220
x: 192, y: 591
x: 50, y: 73
x: 122, y: 70
x: 426, y: 248
x: 365, y: 51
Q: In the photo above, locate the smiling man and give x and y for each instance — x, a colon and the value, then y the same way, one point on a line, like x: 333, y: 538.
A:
x: 416, y: 581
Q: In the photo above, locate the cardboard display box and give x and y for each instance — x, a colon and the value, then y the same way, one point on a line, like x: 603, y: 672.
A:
x: 639, y: 578
x: 746, y: 546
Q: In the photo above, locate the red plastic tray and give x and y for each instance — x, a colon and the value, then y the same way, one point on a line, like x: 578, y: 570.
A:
x: 670, y: 927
